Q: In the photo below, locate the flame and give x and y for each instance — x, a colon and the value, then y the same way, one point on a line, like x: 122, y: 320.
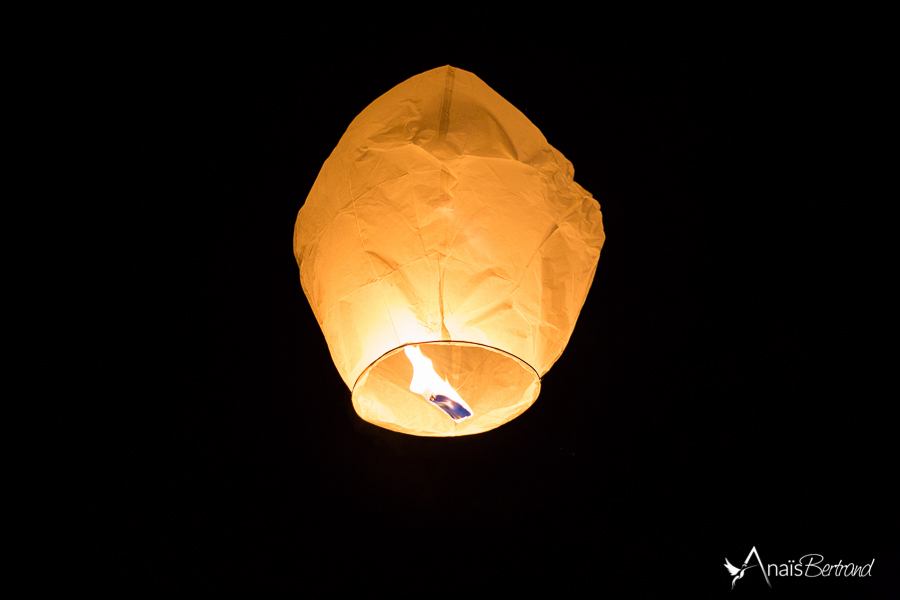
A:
x: 430, y: 386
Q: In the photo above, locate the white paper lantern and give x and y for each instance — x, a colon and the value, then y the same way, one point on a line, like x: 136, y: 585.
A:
x: 444, y: 227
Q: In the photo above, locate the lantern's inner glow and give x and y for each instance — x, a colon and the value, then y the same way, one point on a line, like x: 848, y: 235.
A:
x: 428, y: 384
x: 496, y: 385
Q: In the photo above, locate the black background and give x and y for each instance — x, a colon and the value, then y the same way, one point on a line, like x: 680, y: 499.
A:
x: 723, y: 389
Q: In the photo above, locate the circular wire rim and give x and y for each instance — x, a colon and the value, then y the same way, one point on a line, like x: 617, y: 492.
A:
x: 445, y: 342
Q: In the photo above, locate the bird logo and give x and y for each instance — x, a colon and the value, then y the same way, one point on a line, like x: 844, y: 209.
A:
x: 738, y: 573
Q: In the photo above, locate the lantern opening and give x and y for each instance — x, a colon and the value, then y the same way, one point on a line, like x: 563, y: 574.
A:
x: 430, y: 386
x: 492, y: 385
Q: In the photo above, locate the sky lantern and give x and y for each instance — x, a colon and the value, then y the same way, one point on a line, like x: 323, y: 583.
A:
x: 446, y: 252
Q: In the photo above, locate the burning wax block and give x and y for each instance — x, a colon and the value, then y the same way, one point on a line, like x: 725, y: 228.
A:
x: 457, y: 411
x: 431, y: 386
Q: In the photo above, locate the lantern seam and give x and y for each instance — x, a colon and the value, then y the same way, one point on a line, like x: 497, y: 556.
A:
x: 449, y: 81
x: 436, y: 273
x: 362, y: 244
x: 463, y: 384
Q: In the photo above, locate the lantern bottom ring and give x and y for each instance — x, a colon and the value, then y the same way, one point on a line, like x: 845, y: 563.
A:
x: 497, y: 385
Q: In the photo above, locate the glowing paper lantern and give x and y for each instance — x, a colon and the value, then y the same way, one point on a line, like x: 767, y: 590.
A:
x: 445, y: 236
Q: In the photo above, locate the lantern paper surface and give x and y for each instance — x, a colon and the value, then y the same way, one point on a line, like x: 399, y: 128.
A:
x: 443, y: 219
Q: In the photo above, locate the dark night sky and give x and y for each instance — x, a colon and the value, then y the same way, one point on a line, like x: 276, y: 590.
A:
x: 723, y: 387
